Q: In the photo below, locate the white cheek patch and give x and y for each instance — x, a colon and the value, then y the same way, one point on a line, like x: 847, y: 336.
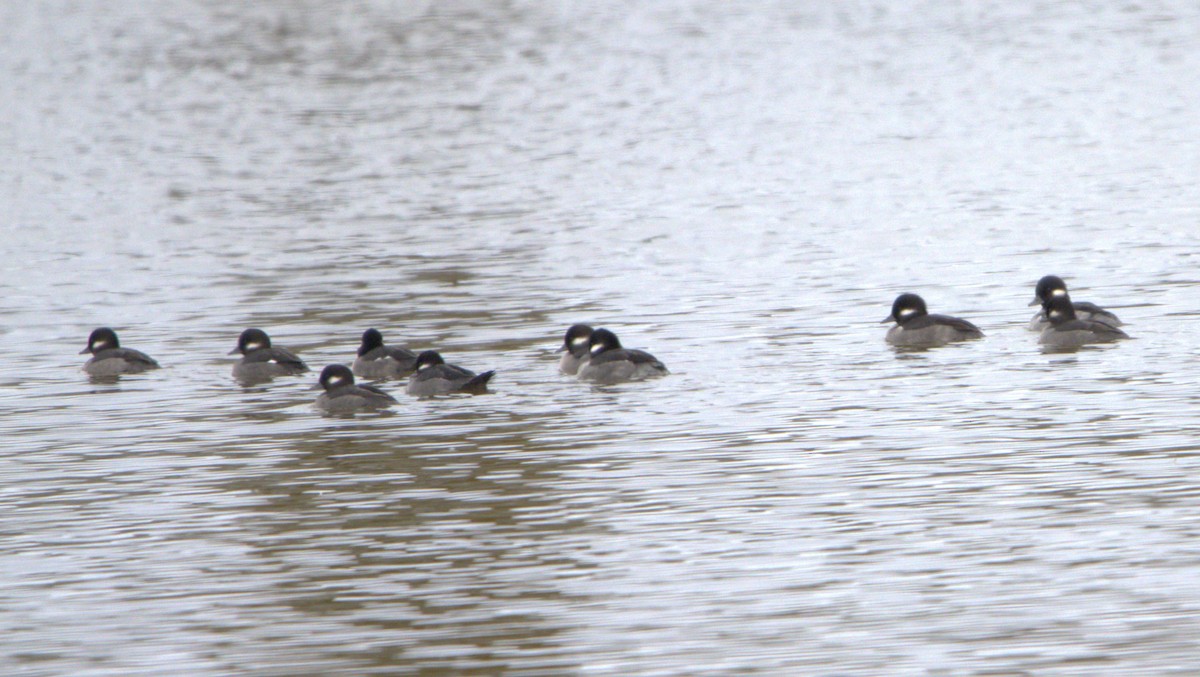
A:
x: 907, y: 312
x: 1055, y: 314
x: 579, y: 341
x: 254, y: 345
x: 337, y: 380
x: 1058, y: 292
x: 423, y: 366
x: 100, y: 345
x: 596, y: 348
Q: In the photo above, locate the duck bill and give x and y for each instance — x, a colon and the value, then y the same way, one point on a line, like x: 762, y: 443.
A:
x: 235, y: 351
x: 86, y: 350
x: 889, y: 318
x: 1035, y: 302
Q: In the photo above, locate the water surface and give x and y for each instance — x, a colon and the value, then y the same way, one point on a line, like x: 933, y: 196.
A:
x: 740, y: 188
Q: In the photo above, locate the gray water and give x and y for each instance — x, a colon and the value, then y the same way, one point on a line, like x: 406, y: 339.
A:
x: 741, y: 188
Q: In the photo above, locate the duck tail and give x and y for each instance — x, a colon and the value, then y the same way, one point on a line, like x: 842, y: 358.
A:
x: 478, y: 384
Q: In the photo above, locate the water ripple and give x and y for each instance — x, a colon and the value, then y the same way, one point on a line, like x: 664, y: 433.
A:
x: 741, y: 190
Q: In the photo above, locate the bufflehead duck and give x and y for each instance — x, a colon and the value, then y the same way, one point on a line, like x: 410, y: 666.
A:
x: 916, y: 328
x: 1066, y: 330
x: 575, y: 349
x: 1052, y: 286
x: 434, y: 377
x: 377, y: 361
x: 261, y: 362
x: 343, y: 396
x: 610, y: 363
x: 110, y: 359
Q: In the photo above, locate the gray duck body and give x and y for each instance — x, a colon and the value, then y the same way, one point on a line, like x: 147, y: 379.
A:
x: 1052, y: 286
x: 1068, y: 331
x: 342, y: 395
x: 434, y: 377
x: 917, y: 328
x: 377, y: 361
x: 611, y: 363
x: 110, y: 359
x: 262, y: 361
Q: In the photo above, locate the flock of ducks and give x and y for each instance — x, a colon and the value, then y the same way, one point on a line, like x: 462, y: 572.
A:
x: 1063, y: 323
x: 594, y: 355
x: 589, y: 354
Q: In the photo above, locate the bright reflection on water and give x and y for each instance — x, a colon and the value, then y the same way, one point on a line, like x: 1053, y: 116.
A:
x: 740, y: 188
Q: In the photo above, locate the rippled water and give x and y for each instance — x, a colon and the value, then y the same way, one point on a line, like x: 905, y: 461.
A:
x: 741, y: 188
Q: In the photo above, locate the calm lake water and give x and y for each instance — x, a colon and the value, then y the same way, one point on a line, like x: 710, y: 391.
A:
x: 741, y: 188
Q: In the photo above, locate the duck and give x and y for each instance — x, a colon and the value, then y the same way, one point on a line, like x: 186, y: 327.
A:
x: 575, y: 349
x: 261, y: 361
x: 1052, y: 286
x: 916, y: 328
x: 434, y: 377
x: 609, y: 362
x: 377, y: 361
x: 343, y: 396
x: 110, y: 359
x: 1067, y: 330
